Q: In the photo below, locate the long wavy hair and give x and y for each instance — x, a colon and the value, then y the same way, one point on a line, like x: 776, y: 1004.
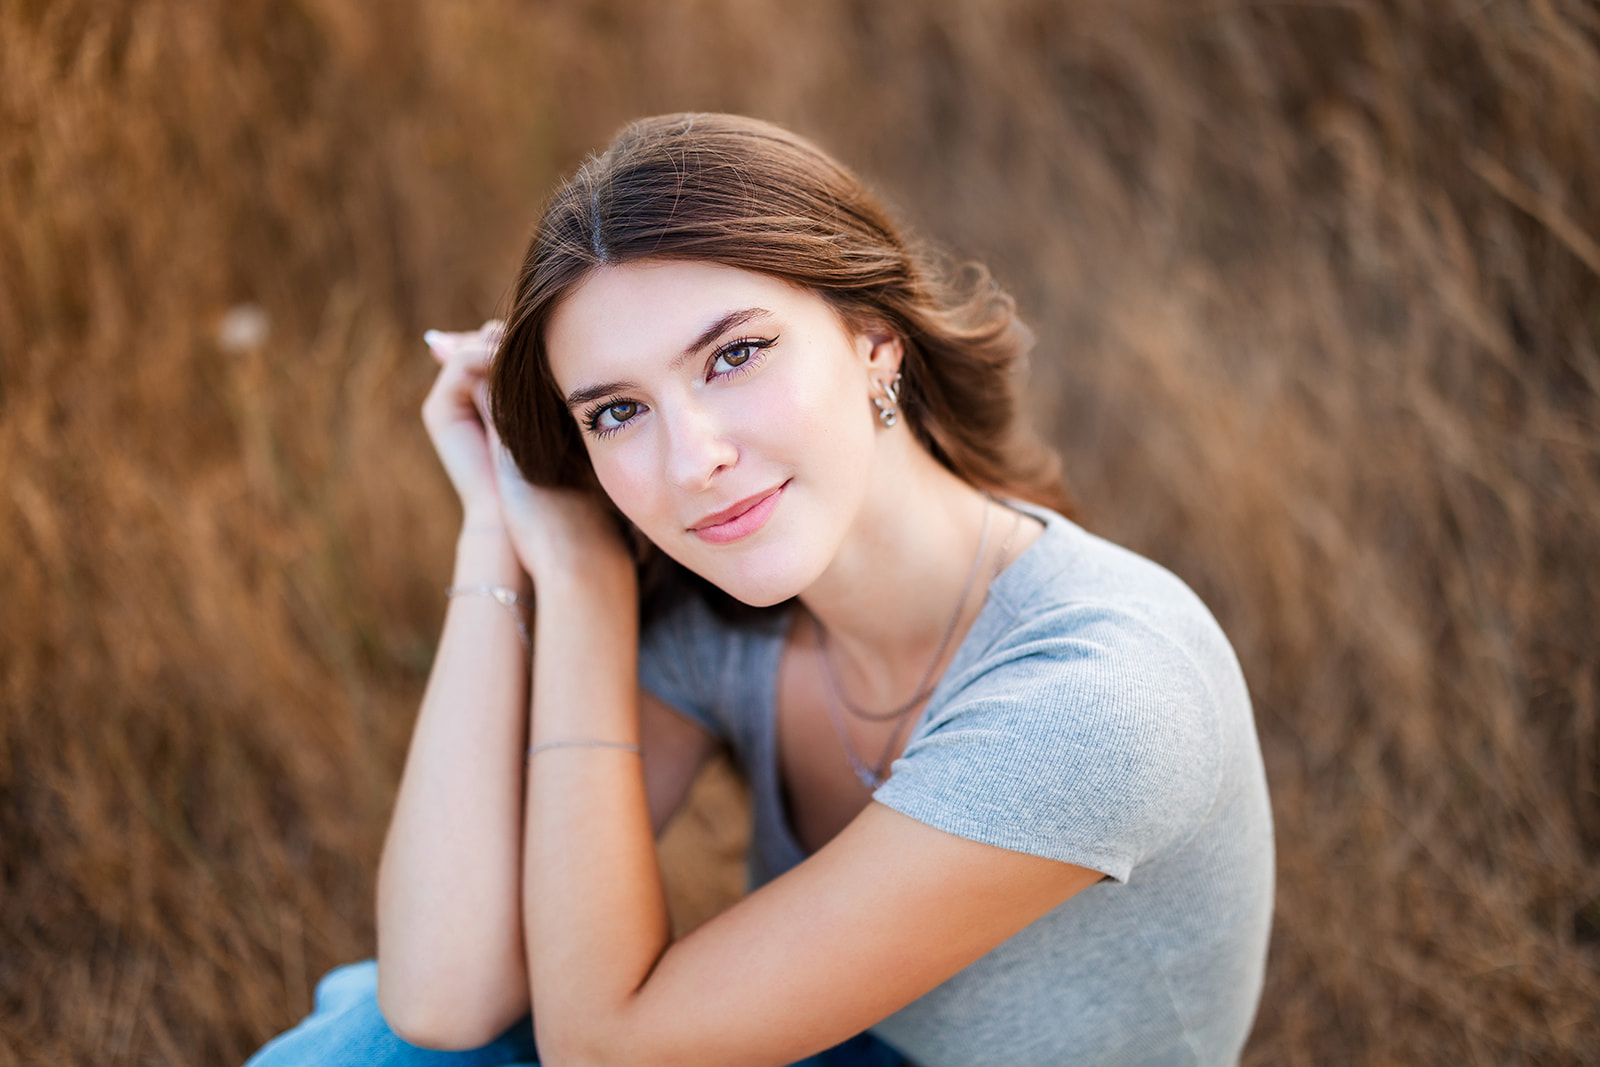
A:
x: 744, y: 193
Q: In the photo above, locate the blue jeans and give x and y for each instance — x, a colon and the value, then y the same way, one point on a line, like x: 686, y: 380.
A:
x: 346, y: 1029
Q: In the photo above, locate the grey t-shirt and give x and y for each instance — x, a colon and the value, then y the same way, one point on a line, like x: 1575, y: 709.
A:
x: 1094, y: 713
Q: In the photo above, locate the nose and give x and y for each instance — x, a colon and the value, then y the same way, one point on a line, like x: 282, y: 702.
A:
x: 697, y: 448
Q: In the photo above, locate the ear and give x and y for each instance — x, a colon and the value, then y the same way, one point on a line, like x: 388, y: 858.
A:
x: 880, y: 350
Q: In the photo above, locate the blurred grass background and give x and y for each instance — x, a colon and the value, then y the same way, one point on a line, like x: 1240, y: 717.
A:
x: 1317, y: 288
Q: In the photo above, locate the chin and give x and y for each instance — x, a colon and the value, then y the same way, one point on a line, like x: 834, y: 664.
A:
x: 759, y: 578
x: 759, y: 597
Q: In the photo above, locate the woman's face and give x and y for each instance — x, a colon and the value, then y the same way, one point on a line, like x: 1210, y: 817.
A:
x: 727, y: 414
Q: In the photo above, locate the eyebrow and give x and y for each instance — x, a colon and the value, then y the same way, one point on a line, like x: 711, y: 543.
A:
x: 710, y: 333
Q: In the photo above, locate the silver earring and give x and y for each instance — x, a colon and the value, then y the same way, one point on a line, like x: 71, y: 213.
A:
x: 888, y: 404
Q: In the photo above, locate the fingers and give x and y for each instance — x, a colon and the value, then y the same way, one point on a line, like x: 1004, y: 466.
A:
x: 462, y: 385
x: 455, y: 393
x: 465, y: 347
x: 461, y: 391
x: 438, y: 345
x: 474, y: 346
x: 480, y: 399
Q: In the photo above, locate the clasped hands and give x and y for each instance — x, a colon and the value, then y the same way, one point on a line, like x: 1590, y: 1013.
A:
x: 554, y: 532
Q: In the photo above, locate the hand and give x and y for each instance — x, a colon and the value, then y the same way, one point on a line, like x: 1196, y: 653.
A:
x: 456, y: 414
x: 557, y: 533
x: 554, y: 531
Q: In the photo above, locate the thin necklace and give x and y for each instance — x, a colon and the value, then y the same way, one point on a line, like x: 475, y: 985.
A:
x: 870, y: 776
x: 1000, y: 563
x: 924, y: 689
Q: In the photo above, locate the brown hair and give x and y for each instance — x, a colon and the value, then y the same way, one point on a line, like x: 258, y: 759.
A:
x: 745, y: 193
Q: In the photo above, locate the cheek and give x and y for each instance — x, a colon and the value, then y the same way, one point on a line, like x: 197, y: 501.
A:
x: 632, y: 479
x: 807, y: 414
x: 813, y: 403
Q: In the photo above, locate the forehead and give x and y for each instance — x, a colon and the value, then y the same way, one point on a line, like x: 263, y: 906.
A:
x: 646, y: 312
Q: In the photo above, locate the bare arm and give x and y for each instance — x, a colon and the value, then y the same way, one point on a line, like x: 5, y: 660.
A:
x: 451, y: 970
x: 449, y: 946
x: 450, y: 951
x: 888, y: 910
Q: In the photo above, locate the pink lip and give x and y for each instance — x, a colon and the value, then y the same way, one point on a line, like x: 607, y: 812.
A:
x: 741, y: 520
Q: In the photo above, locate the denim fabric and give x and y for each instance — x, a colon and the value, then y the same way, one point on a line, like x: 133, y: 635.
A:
x: 346, y: 1029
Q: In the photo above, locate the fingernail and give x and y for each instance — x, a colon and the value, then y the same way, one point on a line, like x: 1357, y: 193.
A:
x: 432, y: 338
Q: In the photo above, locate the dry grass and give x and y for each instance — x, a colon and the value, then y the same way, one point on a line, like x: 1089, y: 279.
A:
x: 1318, y: 293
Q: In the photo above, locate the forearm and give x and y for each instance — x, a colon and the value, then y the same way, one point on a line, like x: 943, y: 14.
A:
x: 450, y: 957
x: 593, y: 903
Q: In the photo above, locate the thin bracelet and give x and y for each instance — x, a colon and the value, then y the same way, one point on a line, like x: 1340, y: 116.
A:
x: 542, y: 745
x: 509, y: 597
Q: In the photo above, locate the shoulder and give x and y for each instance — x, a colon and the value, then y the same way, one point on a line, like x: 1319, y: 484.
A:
x: 1069, y: 566
x: 1077, y: 601
x: 1087, y: 721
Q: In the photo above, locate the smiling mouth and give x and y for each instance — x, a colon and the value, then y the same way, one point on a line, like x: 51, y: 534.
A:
x: 741, y: 520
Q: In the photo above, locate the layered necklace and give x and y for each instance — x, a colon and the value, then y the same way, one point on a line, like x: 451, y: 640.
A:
x: 874, y: 775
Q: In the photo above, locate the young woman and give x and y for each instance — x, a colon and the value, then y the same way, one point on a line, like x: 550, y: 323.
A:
x: 761, y: 469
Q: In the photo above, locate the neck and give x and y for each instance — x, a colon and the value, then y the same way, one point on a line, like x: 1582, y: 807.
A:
x: 889, y: 596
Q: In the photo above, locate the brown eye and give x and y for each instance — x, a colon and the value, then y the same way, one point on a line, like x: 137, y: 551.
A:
x: 736, y: 357
x: 607, y: 419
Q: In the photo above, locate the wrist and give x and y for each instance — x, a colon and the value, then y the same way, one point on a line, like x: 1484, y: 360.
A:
x: 486, y: 556
x: 482, y: 514
x: 577, y: 559
x: 611, y: 577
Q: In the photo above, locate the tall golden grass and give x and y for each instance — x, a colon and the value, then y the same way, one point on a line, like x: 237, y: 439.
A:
x: 1317, y: 287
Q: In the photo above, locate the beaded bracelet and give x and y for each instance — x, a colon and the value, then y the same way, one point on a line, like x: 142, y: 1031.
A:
x: 509, y: 597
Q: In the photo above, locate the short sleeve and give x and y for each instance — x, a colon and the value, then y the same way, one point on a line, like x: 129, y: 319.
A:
x: 1085, y: 735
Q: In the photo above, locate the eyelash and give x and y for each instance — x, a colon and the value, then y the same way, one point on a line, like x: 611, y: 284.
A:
x: 757, y: 346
